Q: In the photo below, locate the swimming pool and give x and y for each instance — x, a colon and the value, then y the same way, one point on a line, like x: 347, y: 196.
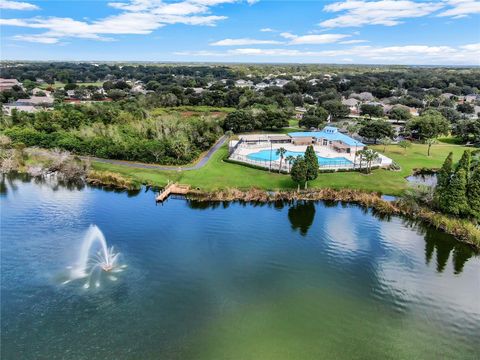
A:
x: 264, y: 155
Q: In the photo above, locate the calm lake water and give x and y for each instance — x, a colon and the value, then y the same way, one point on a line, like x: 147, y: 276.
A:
x: 230, y: 281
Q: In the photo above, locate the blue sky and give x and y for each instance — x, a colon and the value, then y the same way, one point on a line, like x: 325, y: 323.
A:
x: 445, y: 32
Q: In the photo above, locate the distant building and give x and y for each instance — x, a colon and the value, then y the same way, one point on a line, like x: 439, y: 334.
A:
x: 472, y: 98
x: 330, y: 136
x: 261, y: 86
x: 363, y: 96
x: 447, y: 95
x: 353, y: 105
x: 36, y: 101
x: 243, y: 83
x: 8, y: 84
x: 7, y: 108
x: 280, y: 82
x: 138, y: 89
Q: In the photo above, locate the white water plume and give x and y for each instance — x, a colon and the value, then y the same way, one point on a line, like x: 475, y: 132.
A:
x: 95, y: 259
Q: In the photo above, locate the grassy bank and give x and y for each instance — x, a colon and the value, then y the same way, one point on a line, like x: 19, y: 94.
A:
x: 217, y: 174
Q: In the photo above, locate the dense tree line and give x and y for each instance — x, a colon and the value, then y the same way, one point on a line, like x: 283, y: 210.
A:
x: 121, y: 130
x: 263, y: 118
x: 458, y: 188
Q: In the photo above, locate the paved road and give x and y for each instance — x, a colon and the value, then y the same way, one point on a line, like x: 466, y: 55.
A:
x: 139, y: 165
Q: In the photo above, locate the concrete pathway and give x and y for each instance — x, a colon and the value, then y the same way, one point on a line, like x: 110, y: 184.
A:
x: 201, y: 163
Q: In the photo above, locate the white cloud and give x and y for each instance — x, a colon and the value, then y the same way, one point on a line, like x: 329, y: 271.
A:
x: 461, y: 8
x: 468, y: 54
x: 17, y: 5
x: 243, y: 41
x: 312, y: 39
x: 136, y: 17
x: 37, y: 39
x: 267, y: 30
x: 381, y: 12
x: 349, y: 42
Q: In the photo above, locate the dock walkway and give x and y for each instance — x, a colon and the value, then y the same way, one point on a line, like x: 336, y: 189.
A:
x: 172, y: 189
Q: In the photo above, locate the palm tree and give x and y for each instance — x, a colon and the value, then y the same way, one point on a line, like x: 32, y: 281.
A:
x: 369, y: 156
x: 281, y: 152
x: 290, y: 159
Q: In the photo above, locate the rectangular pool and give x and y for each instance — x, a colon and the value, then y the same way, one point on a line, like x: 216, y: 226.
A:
x: 264, y: 155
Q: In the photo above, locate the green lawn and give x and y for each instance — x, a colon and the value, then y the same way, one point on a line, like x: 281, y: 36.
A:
x: 59, y: 84
x: 217, y: 174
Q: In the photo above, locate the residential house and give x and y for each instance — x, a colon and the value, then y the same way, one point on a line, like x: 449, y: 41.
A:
x: 8, y: 84
x: 280, y: 82
x: 471, y: 98
x: 7, y: 108
x: 363, y: 96
x: 244, y: 83
x: 353, y: 104
x: 261, y: 86
x: 36, y: 101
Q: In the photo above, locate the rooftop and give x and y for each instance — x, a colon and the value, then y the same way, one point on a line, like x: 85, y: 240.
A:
x: 330, y: 133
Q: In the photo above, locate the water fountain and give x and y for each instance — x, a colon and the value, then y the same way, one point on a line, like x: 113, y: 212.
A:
x: 95, y: 259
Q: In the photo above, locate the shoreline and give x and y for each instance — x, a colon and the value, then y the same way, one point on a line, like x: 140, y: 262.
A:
x: 463, y: 230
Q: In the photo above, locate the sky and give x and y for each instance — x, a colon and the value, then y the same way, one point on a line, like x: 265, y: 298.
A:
x: 414, y: 32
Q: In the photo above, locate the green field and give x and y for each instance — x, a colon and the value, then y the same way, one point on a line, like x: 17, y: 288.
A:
x: 59, y: 84
x: 217, y: 174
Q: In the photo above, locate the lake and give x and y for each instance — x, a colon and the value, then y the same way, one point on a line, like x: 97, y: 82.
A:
x: 298, y: 280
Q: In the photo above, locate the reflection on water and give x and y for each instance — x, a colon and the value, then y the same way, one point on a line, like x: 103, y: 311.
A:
x: 300, y: 280
x: 301, y: 216
x: 444, y: 246
x: 423, y: 179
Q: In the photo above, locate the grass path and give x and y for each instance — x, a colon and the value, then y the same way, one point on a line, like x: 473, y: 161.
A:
x: 217, y: 174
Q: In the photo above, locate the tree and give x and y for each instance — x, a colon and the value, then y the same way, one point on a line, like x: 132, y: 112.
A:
x: 311, y: 161
x: 70, y: 86
x: 281, y: 152
x: 468, y: 130
x: 371, y: 110
x: 369, y: 156
x: 404, y: 144
x: 386, y: 141
x: 450, y: 114
x: 465, y: 162
x: 430, y: 125
x: 336, y: 109
x: 314, y: 118
x: 299, y: 171
x: 273, y: 118
x: 445, y: 173
x: 429, y: 143
x: 376, y: 129
x: 116, y: 94
x: 239, y: 121
x: 453, y: 199
x: 399, y: 113
x: 466, y: 108
x: 473, y: 193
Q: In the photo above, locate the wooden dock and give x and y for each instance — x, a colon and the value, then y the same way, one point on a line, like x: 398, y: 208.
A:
x: 172, y: 189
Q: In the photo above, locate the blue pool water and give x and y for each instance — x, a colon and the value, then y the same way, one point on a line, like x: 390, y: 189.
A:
x: 264, y: 155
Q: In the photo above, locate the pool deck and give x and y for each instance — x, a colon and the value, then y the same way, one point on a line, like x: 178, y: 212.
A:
x: 241, y: 154
x: 322, y: 151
